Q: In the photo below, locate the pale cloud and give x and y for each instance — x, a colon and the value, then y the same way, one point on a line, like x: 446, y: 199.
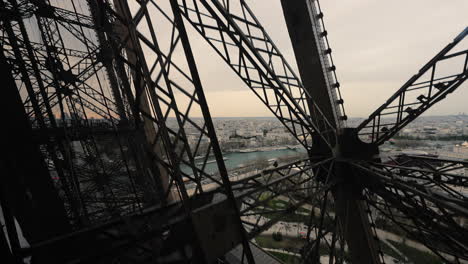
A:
x: 377, y: 46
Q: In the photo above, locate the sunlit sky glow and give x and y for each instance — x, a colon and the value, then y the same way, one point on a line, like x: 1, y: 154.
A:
x: 377, y: 46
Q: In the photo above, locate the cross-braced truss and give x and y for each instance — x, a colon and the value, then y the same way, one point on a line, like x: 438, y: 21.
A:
x: 106, y: 161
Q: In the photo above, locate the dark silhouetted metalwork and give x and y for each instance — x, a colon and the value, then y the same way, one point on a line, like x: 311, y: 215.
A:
x: 104, y: 161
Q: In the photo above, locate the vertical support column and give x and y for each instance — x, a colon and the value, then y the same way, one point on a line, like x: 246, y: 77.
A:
x: 100, y: 20
x: 353, y: 219
x: 210, y: 127
x: 27, y: 187
x: 351, y: 212
x: 160, y: 175
x: 146, y: 91
x: 307, y: 51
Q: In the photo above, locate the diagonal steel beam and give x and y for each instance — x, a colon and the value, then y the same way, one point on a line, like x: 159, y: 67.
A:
x: 431, y: 84
x: 313, y: 55
x: 239, y: 38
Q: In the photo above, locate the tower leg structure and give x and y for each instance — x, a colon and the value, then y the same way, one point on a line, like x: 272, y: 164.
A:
x: 104, y: 161
x: 310, y: 46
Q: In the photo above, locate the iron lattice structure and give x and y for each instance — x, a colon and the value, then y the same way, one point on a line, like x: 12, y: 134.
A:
x: 103, y: 162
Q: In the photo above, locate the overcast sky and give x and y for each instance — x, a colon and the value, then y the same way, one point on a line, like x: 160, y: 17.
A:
x: 377, y: 45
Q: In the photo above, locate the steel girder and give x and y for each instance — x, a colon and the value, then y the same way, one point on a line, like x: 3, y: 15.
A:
x: 155, y: 231
x: 314, y: 57
x: 428, y: 204
x: 140, y: 207
x: 93, y: 187
x: 232, y: 29
x: 442, y: 75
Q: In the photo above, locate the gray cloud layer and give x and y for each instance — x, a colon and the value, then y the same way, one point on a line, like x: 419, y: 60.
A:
x: 377, y: 46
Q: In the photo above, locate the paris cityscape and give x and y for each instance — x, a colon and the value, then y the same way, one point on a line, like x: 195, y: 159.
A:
x: 233, y: 132
x: 253, y: 144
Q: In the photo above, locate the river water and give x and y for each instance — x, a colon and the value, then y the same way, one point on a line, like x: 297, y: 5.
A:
x: 237, y: 159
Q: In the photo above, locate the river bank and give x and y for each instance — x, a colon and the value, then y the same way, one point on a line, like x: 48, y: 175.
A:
x: 263, y: 149
x: 234, y: 160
